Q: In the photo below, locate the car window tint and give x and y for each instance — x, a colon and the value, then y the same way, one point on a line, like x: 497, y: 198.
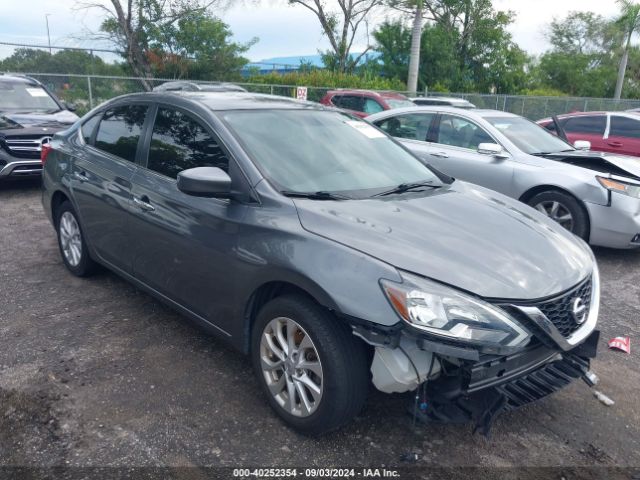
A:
x: 179, y: 142
x: 119, y: 131
x: 586, y: 124
x: 349, y: 102
x: 89, y: 127
x: 371, y: 106
x: 458, y: 132
x: 413, y: 127
x: 624, y: 127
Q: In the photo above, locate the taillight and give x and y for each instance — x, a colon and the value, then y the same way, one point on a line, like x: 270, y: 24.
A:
x: 44, y: 153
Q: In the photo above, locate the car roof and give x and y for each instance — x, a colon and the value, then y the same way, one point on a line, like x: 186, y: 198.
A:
x: 443, y: 99
x: 195, y: 87
x: 476, y: 113
x: 371, y: 93
x: 17, y: 79
x: 221, y: 101
x: 596, y: 113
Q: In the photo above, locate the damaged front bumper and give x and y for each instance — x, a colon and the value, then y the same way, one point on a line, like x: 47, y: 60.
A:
x: 456, y: 383
x: 478, y: 392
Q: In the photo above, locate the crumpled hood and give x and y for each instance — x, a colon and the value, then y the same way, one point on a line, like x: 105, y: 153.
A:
x: 625, y: 162
x: 462, y: 235
x: 60, y: 119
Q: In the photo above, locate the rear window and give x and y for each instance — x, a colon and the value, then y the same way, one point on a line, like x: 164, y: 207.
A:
x: 89, y: 127
x: 119, y: 131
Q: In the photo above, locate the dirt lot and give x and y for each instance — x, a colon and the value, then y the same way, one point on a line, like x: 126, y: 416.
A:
x: 96, y: 373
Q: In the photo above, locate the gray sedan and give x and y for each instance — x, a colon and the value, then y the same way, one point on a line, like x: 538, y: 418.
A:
x: 594, y: 195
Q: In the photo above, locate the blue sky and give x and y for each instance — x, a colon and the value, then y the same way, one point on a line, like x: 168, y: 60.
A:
x: 283, y: 30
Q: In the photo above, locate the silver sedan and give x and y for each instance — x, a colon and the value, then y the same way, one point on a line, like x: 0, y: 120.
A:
x: 594, y: 195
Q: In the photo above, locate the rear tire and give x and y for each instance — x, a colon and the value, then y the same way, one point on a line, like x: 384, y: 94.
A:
x: 298, y: 346
x: 563, y: 209
x: 71, y: 241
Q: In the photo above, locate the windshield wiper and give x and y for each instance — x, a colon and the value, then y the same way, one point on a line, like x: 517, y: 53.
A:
x: 315, y: 195
x: 541, y: 154
x: 407, y: 187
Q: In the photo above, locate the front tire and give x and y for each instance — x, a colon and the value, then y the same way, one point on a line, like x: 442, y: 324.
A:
x: 311, y: 367
x: 73, y: 247
x: 563, y: 209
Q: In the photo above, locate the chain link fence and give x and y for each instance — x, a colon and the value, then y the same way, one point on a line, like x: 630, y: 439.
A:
x: 87, y: 91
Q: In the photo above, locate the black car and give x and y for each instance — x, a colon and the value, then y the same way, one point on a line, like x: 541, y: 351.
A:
x: 332, y: 255
x: 29, y: 116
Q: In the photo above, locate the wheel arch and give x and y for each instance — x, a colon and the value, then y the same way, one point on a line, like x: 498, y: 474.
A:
x: 271, y: 289
x: 532, y: 192
x: 57, y: 199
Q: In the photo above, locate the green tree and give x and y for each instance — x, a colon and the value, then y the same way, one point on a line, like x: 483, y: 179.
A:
x: 629, y: 23
x: 197, y: 46
x: 133, y: 25
x: 581, y: 60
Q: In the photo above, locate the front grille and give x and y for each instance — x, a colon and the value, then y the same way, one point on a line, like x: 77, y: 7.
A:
x: 543, y: 381
x: 560, y: 310
x: 26, y: 147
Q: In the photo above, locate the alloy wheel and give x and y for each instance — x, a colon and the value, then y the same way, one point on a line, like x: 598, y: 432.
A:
x: 291, y: 367
x: 557, y: 212
x: 70, y: 239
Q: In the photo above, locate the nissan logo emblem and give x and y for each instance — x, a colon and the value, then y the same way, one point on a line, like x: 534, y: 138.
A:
x: 579, y: 311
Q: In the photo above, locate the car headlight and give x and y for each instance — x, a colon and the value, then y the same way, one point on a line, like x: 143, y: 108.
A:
x: 629, y: 189
x: 446, y: 312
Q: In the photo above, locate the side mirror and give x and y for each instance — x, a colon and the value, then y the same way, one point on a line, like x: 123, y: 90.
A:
x: 211, y: 182
x: 582, y: 145
x: 492, y: 149
x: 69, y: 106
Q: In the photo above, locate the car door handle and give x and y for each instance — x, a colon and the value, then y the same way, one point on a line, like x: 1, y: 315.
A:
x: 143, y: 203
x: 81, y: 176
x: 440, y: 155
x: 615, y: 144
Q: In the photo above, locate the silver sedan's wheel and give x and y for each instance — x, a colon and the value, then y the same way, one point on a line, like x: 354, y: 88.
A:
x: 557, y: 212
x: 291, y: 367
x: 70, y: 239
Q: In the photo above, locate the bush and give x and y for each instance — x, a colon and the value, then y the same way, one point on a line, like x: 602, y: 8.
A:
x: 320, y: 81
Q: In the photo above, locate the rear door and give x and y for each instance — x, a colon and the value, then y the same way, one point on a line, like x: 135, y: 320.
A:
x: 185, y: 245
x: 624, y: 136
x: 455, y: 152
x: 101, y: 180
x: 411, y: 130
x: 587, y: 127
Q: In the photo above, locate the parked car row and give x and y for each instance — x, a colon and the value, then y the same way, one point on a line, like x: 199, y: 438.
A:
x: 594, y: 195
x: 335, y: 255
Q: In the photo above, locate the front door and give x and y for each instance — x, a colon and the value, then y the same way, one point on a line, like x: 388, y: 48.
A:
x: 455, y: 152
x: 185, y: 245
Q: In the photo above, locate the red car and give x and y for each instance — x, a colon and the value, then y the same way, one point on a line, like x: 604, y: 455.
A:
x: 617, y: 132
x: 365, y: 102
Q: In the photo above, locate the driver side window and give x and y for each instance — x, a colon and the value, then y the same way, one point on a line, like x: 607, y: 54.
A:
x: 459, y: 132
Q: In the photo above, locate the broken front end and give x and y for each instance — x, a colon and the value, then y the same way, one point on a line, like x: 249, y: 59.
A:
x: 468, y: 360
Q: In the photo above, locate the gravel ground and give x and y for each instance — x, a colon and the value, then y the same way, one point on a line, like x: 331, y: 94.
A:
x: 96, y: 373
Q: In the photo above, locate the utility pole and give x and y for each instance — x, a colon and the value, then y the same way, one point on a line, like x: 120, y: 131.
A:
x: 46, y: 18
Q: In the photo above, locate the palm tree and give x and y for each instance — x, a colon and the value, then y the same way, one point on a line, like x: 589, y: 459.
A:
x: 416, y: 40
x: 629, y: 22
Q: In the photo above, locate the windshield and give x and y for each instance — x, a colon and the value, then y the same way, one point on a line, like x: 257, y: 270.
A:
x: 399, y: 103
x: 324, y: 151
x: 25, y: 97
x: 528, y: 136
